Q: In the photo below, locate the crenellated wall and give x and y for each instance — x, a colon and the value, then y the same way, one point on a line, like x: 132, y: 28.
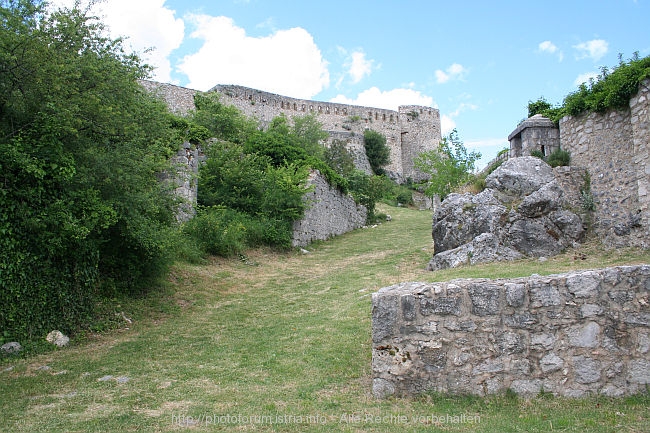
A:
x: 410, y: 130
x: 575, y: 334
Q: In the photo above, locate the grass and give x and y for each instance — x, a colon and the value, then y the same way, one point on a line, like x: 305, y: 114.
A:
x: 281, y: 342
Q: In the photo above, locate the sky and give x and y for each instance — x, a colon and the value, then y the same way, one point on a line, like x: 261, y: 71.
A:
x: 478, y: 62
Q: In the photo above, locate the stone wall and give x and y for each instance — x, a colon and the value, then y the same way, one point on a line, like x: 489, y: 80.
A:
x: 409, y: 131
x: 614, y: 148
x: 574, y: 334
x: 330, y: 213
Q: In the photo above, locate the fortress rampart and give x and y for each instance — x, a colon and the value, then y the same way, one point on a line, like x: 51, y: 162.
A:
x: 410, y: 130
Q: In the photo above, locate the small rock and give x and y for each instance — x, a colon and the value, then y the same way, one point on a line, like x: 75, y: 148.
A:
x: 304, y: 251
x: 105, y: 378
x: 11, y: 348
x: 122, y: 379
x: 389, y: 218
x: 57, y: 338
x: 542, y: 259
x: 44, y: 368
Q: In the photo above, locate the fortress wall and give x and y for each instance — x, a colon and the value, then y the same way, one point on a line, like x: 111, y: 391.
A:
x: 335, y: 117
x: 420, y: 132
x: 614, y: 148
x: 406, y: 134
x: 329, y: 213
x: 574, y: 334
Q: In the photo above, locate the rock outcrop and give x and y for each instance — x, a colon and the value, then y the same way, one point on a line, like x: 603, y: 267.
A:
x: 521, y: 213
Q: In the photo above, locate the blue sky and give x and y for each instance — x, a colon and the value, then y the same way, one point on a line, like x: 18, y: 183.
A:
x: 478, y: 62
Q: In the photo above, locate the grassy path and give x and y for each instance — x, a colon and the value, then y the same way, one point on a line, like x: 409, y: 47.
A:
x: 280, y: 343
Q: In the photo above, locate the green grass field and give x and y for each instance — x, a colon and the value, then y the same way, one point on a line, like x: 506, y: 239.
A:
x: 281, y: 342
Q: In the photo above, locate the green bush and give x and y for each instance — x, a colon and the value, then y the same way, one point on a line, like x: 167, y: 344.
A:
x: 339, y: 158
x: 367, y: 190
x: 377, y: 151
x: 558, y: 158
x: 219, y: 230
x: 82, y: 150
x: 612, y: 89
x: 448, y: 167
x: 222, y: 231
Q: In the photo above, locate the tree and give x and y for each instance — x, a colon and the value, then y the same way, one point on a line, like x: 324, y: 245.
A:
x: 222, y: 121
x: 82, y: 147
x: 309, y: 135
x: 339, y: 158
x: 448, y: 167
x: 538, y: 107
x: 377, y: 151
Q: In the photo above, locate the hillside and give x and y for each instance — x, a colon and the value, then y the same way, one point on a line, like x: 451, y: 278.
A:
x: 285, y: 336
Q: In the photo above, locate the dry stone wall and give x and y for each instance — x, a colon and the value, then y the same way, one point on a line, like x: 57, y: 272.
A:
x: 614, y: 148
x: 574, y: 334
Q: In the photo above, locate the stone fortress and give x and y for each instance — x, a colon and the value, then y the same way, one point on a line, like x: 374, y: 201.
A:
x: 409, y: 131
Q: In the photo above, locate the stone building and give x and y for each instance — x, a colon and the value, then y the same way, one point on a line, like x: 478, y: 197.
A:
x: 536, y: 133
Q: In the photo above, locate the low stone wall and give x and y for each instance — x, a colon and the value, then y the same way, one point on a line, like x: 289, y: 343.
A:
x: 330, y: 213
x: 573, y: 334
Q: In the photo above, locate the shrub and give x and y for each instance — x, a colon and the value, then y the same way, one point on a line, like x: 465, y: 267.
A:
x: 377, y: 151
x: 82, y: 148
x: 448, y: 167
x: 537, y: 154
x: 558, y: 158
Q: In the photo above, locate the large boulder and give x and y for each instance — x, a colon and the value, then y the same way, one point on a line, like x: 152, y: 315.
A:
x: 484, y: 248
x: 519, y: 177
x: 521, y: 213
x: 462, y: 217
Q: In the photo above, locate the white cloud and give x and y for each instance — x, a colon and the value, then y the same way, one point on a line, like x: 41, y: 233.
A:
x: 447, y: 124
x: 389, y: 99
x: 360, y: 67
x: 287, y: 62
x: 550, y: 48
x: 454, y: 72
x: 153, y: 37
x: 547, y: 46
x: 584, y: 78
x: 594, y: 49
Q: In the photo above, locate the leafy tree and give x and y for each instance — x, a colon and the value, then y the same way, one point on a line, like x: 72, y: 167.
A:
x: 277, y: 143
x: 367, y: 190
x: 82, y: 147
x: 339, y: 158
x: 448, y: 167
x: 538, y: 107
x: 308, y: 134
x: 377, y: 151
x: 224, y: 122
